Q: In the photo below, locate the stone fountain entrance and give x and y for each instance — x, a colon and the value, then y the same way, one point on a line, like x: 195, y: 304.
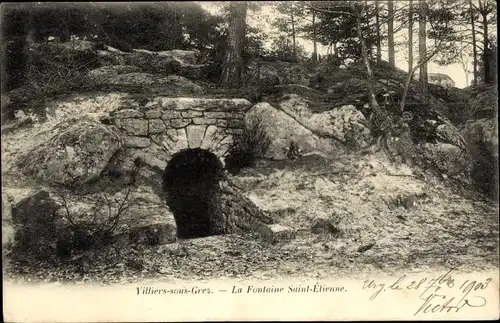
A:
x: 191, y: 185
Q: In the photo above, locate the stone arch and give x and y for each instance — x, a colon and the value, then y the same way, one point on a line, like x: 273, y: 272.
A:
x: 191, y: 185
x: 207, y: 137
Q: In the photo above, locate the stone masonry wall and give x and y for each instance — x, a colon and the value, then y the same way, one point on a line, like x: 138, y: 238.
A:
x: 165, y: 125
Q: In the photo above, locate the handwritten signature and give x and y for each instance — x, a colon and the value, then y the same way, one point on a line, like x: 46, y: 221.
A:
x: 434, y: 292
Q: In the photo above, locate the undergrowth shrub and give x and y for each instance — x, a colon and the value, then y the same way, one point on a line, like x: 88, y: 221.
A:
x: 53, y: 70
x: 49, y: 71
x: 92, y: 228
x: 247, y: 148
x: 48, y: 228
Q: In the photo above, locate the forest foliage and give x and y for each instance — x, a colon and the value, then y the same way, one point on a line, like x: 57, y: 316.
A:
x: 456, y: 30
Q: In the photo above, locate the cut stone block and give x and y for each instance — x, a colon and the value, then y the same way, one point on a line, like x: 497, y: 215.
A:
x: 136, y: 142
x: 274, y: 233
x: 195, y: 135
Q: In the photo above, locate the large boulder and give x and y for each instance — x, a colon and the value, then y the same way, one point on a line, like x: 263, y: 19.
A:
x: 345, y: 124
x: 293, y: 122
x: 483, y: 102
x: 111, y: 77
x: 182, y: 56
x: 483, y: 131
x: 144, y: 220
x: 152, y: 63
x: 37, y: 232
x: 441, y: 79
x: 76, y: 155
x: 446, y: 158
x: 48, y: 224
x: 105, y: 74
x: 182, y: 62
x: 283, y: 130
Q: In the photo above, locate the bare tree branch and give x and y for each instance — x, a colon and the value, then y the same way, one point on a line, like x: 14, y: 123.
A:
x: 309, y: 4
x: 66, y: 208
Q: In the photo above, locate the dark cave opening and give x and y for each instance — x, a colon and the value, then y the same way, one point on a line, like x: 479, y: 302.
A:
x: 191, y: 185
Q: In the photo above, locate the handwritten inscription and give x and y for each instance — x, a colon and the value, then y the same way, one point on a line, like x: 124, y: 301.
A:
x: 438, y: 294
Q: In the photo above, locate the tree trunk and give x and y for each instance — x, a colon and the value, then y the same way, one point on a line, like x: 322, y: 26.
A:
x: 474, y: 49
x: 293, y: 39
x: 410, y: 36
x: 315, y: 46
x: 390, y: 33
x: 377, y: 23
x: 422, y: 48
x: 233, y: 68
x: 486, y: 56
x: 410, y: 56
x: 422, y: 61
x: 380, y: 119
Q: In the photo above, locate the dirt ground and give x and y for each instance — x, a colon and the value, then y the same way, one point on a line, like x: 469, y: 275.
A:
x: 388, y: 218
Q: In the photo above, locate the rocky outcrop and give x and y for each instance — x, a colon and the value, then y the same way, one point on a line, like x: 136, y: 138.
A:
x: 186, y: 63
x: 446, y: 158
x: 106, y: 74
x: 190, y: 62
x: 37, y: 229
x: 182, y: 62
x: 275, y: 73
x: 483, y: 102
x: 441, y: 79
x: 75, y: 155
x: 284, y: 131
x: 182, y: 56
x: 145, y: 221
x: 150, y: 63
x: 49, y: 224
x: 482, y: 140
x: 345, y: 124
x: 127, y: 78
x: 481, y: 130
x: 294, y: 122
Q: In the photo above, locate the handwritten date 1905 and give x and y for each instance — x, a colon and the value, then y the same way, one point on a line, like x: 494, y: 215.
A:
x: 441, y: 293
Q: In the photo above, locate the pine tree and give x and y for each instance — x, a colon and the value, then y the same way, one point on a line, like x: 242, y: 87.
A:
x: 233, y: 67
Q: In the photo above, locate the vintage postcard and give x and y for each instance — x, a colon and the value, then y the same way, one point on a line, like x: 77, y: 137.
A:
x: 249, y: 160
